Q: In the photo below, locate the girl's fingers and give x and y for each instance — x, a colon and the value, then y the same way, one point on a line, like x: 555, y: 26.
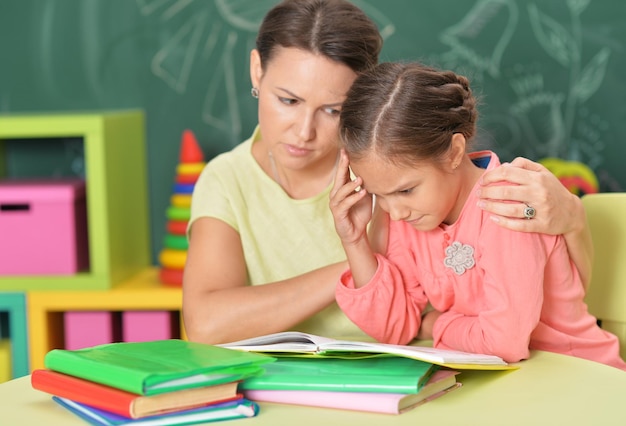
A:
x: 352, y: 198
x: 346, y: 196
x: 343, y: 187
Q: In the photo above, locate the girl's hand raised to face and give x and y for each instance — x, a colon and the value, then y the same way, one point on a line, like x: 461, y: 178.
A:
x: 350, y: 204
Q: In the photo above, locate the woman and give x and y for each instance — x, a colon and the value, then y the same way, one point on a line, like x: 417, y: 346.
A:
x: 263, y: 252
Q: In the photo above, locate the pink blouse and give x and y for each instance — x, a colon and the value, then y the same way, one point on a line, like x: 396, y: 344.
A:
x: 501, y: 292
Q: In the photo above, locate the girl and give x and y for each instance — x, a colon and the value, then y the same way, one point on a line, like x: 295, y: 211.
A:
x: 406, y: 130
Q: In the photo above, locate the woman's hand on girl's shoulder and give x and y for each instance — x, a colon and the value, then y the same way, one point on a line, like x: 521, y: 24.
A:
x: 508, y: 189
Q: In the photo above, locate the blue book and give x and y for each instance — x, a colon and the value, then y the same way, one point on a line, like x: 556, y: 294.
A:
x: 237, y: 409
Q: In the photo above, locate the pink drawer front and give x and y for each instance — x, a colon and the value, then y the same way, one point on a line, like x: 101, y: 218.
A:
x: 43, y: 227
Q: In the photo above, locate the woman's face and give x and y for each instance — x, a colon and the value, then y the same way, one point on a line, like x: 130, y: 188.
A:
x: 300, y: 97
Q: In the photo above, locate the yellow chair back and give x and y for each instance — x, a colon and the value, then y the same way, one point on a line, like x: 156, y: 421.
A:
x: 606, y: 296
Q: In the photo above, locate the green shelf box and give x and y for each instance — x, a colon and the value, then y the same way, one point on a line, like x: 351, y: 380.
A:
x: 115, y: 173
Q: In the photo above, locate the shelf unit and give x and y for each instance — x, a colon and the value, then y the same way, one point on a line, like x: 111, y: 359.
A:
x: 45, y: 309
x: 116, y: 188
x: 15, y: 305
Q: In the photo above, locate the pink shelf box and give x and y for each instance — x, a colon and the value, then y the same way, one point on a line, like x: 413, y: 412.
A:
x: 43, y: 227
x: 84, y: 329
x: 144, y: 326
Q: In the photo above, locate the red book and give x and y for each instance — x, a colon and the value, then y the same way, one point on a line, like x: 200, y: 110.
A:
x: 129, y: 404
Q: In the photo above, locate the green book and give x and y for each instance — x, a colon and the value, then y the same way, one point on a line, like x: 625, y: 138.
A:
x: 375, y: 374
x: 149, y: 368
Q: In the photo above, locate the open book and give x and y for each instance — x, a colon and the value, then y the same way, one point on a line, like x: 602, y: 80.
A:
x: 295, y: 343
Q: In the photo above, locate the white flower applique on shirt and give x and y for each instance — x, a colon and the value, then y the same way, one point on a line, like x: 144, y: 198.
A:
x: 459, y: 257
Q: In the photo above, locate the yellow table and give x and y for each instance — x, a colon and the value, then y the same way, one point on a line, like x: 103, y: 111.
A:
x: 548, y: 389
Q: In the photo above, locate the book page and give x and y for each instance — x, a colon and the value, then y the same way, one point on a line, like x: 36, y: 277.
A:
x: 423, y: 353
x: 287, y: 341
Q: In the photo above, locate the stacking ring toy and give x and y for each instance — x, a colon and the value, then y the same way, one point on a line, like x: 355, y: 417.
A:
x: 187, y: 178
x: 173, y: 259
x: 176, y: 227
x: 176, y: 242
x: 189, y: 168
x: 183, y: 188
x: 172, y: 277
x: 180, y: 200
x: 178, y: 213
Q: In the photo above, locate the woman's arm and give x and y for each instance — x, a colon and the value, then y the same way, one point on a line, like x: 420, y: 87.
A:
x: 219, y: 307
x: 558, y: 210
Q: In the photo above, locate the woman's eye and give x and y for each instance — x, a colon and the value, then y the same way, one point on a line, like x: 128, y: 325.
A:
x: 405, y: 191
x: 288, y: 101
x: 332, y: 111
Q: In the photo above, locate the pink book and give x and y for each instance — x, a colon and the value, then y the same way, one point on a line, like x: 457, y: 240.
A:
x: 442, y: 382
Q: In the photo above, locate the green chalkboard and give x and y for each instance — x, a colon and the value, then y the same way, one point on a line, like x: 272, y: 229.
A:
x: 550, y: 73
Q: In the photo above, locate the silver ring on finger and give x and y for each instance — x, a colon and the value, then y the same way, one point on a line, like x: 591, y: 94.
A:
x: 529, y: 212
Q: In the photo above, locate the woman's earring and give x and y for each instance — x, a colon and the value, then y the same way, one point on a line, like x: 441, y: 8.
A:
x: 254, y: 92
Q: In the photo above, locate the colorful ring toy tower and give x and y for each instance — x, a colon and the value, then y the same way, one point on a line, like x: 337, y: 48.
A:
x: 174, y: 253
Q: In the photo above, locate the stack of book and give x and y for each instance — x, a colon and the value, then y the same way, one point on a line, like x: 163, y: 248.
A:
x: 390, y: 385
x: 163, y: 382
x: 318, y: 371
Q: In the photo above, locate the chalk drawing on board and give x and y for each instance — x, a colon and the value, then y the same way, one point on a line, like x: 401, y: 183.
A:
x: 537, y: 109
x: 482, y: 36
x: 224, y: 77
x: 565, y: 47
x: 175, y: 8
x: 547, y: 116
x: 239, y: 17
x: 147, y: 7
x: 244, y: 15
x: 174, y: 61
x: 589, y: 136
x: 385, y: 26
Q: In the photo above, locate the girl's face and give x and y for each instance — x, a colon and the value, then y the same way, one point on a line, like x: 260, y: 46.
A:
x: 423, y: 194
x: 300, y: 97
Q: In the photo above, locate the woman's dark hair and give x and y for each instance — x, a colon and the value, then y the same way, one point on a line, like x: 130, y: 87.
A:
x: 336, y: 29
x: 406, y: 112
